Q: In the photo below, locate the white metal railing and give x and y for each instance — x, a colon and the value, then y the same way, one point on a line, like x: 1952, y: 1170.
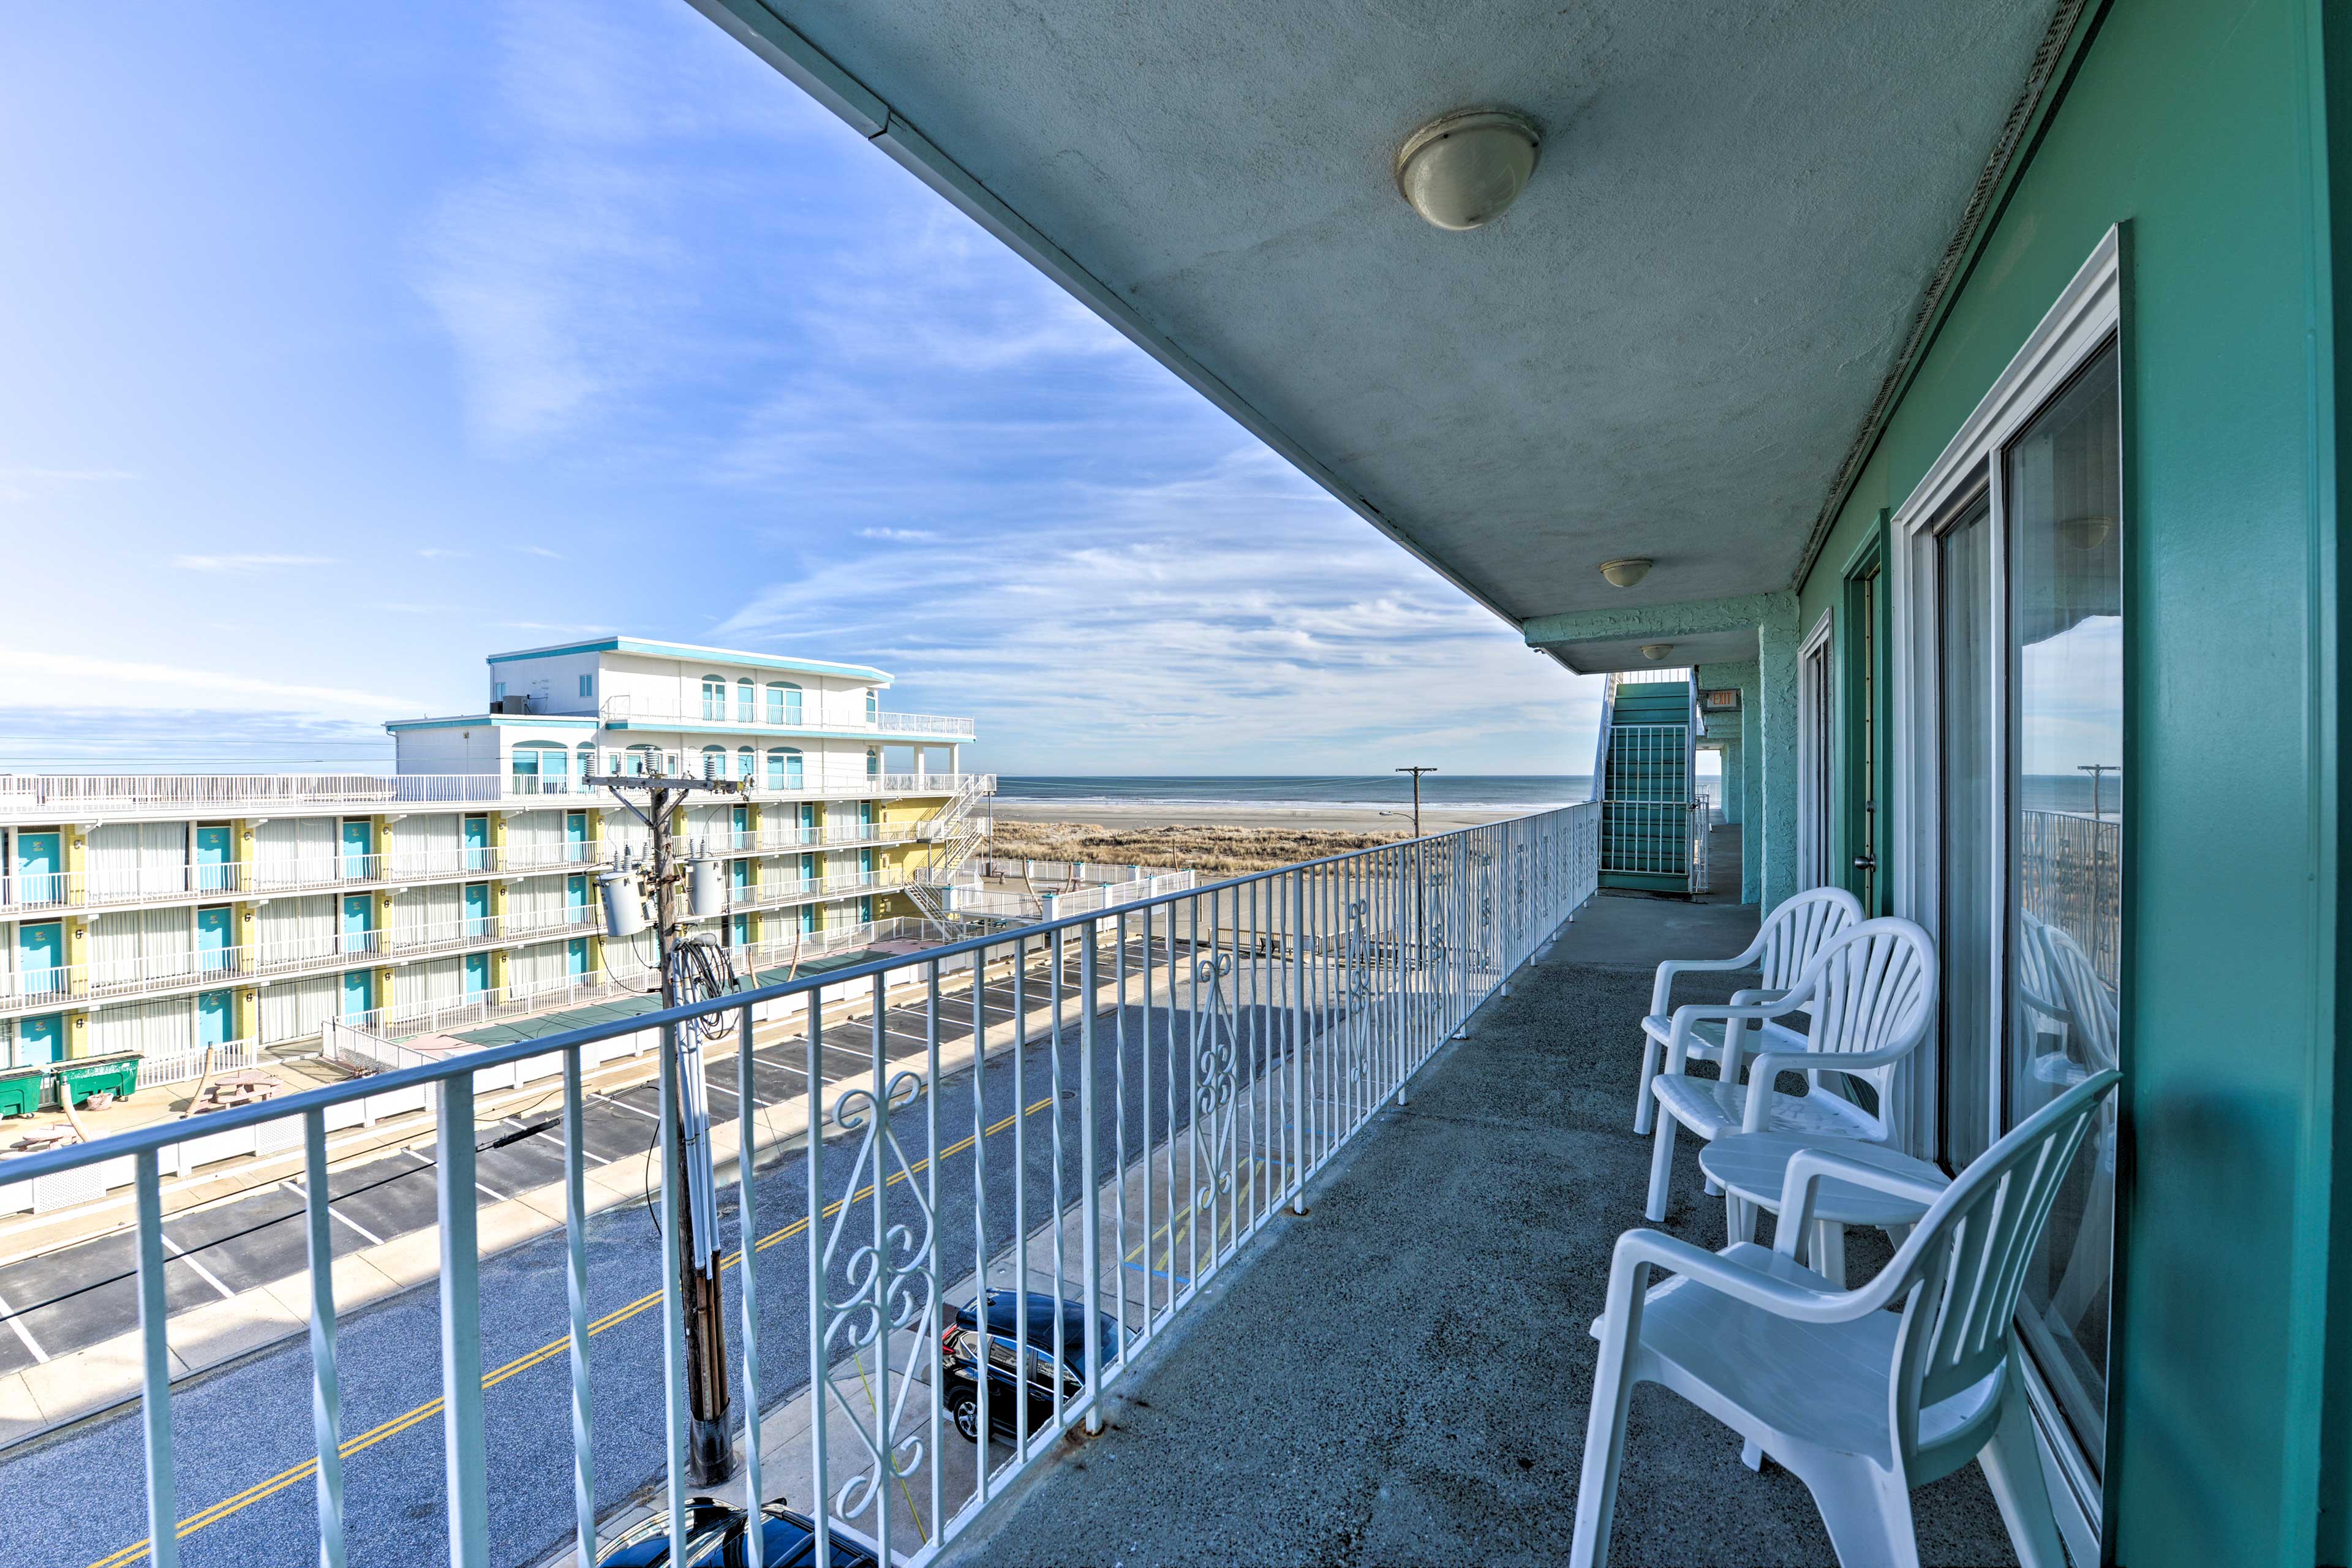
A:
x: 809, y: 719
x: 39, y: 796
x: 188, y: 1063
x: 1251, y: 1029
x: 33, y: 893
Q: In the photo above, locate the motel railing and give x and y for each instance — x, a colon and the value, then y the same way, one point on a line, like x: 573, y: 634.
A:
x: 1209, y: 1051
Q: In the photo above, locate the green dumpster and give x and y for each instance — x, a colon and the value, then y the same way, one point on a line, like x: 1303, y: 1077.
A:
x: 117, y: 1075
x: 20, y: 1090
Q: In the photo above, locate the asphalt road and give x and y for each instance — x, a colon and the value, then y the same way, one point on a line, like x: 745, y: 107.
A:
x: 242, y: 1435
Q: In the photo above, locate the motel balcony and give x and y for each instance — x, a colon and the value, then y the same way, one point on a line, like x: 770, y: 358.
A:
x: 638, y: 713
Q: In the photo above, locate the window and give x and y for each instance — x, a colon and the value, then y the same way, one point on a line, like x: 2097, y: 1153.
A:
x: 587, y: 760
x: 783, y: 703
x: 872, y: 761
x: 498, y: 691
x: 714, y: 762
x: 746, y: 702
x: 642, y: 760
x: 714, y: 697
x: 588, y: 686
x: 872, y: 705
x: 541, y: 767
x: 743, y: 763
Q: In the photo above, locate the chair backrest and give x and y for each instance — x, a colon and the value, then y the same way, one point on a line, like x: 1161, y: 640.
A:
x: 1795, y: 933
x: 1960, y: 1271
x: 1873, y: 989
x: 2089, y: 1007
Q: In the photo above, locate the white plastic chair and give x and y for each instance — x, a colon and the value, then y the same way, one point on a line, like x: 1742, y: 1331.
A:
x: 1859, y: 1402
x: 1787, y: 942
x: 1869, y: 994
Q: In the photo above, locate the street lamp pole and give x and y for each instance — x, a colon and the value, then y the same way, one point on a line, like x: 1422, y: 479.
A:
x: 1416, y: 773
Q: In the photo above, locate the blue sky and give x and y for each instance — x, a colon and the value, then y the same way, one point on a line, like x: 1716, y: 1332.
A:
x: 346, y: 346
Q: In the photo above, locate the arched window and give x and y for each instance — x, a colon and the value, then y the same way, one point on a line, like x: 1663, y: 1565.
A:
x: 743, y: 761
x: 540, y: 767
x: 776, y: 768
x: 873, y: 759
x: 873, y: 707
x: 746, y: 702
x: 644, y: 759
x: 714, y: 762
x: 587, y: 761
x: 714, y: 697
x: 785, y: 771
x: 783, y: 703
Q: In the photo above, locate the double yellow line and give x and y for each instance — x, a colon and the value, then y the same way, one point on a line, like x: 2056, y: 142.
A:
x: 430, y: 1408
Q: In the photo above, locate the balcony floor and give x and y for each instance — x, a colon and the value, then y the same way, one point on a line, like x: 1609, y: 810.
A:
x: 1402, y: 1375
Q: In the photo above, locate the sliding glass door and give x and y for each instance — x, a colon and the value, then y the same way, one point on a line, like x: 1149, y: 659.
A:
x: 1964, y: 706
x: 2060, y: 483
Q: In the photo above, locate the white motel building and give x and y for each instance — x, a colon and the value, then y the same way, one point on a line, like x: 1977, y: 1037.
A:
x: 165, y: 914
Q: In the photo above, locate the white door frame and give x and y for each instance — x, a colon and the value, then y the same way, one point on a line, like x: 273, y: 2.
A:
x: 2079, y: 324
x: 1817, y: 707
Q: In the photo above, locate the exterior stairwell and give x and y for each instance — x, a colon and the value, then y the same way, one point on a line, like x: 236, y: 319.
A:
x: 1645, y: 778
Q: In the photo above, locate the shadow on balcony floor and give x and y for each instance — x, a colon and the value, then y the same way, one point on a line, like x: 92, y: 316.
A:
x: 1401, y: 1376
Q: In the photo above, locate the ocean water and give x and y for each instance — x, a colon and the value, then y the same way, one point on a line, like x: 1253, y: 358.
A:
x: 1531, y: 791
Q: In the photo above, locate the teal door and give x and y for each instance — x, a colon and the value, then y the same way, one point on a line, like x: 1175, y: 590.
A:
x: 866, y: 911
x: 738, y: 880
x: 739, y: 931
x: 575, y: 836
x: 37, y: 1040
x: 742, y: 827
x: 359, y: 993
x: 213, y: 874
x: 865, y: 864
x: 575, y: 958
x: 359, y: 923
x: 575, y: 896
x: 40, y: 959
x: 808, y: 872
x: 808, y: 920
x: 213, y: 939
x: 215, y: 1017
x: 359, y: 848
x: 478, y: 908
x: 478, y: 844
x: 865, y: 814
x: 40, y: 869
x: 808, y: 822
x: 477, y: 973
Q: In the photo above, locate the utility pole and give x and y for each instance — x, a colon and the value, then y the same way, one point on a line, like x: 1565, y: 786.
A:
x: 710, y: 1453
x: 2094, y: 770
x: 1416, y: 773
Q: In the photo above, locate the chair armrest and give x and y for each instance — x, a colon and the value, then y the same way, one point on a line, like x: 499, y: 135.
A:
x: 1809, y: 1168
x: 1663, y: 987
x: 1733, y: 1037
x: 1769, y: 1064
x: 1641, y: 1249
x: 1689, y: 1013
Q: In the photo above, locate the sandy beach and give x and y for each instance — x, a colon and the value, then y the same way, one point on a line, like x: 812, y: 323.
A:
x: 1210, y: 837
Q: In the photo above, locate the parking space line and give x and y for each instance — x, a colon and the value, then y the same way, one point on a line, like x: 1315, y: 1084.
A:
x: 371, y: 1238
x: 203, y: 1273
x: 624, y: 1105
x: 22, y: 1333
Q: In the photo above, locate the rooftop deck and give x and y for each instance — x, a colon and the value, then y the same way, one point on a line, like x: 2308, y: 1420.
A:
x: 1417, y: 1365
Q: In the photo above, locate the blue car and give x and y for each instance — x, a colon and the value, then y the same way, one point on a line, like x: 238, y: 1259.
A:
x: 715, y: 1536
x: 1056, y: 1356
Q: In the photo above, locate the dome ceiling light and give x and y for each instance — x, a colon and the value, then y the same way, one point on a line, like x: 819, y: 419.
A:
x: 1656, y: 652
x: 1463, y: 168
x: 1626, y: 572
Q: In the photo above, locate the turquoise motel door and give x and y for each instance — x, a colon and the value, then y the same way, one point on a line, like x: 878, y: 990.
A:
x: 40, y: 869
x: 865, y: 814
x: 359, y: 993
x: 575, y: 896
x: 216, y: 1016
x: 478, y: 844
x: 478, y: 908
x: 575, y: 836
x: 213, y: 935
x: 359, y: 848
x: 37, y: 1040
x: 742, y: 827
x: 808, y: 819
x: 575, y: 958
x: 40, y: 959
x: 808, y: 871
x: 212, y: 871
x: 739, y: 881
x: 808, y: 920
x: 477, y: 973
x: 739, y: 931
x: 866, y: 911
x: 865, y: 864
x: 359, y: 923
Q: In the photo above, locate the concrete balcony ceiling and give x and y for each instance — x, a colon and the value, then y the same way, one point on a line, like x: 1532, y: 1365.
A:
x: 1669, y: 347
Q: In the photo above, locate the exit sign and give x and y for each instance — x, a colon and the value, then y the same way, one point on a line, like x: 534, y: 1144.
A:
x: 1727, y: 698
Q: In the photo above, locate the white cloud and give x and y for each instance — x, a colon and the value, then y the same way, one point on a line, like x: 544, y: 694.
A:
x: 246, y: 563
x: 540, y: 549
x: 438, y: 553
x: 899, y: 535
x: 37, y: 678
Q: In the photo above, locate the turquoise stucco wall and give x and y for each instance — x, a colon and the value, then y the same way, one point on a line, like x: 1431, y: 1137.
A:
x: 2202, y: 127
